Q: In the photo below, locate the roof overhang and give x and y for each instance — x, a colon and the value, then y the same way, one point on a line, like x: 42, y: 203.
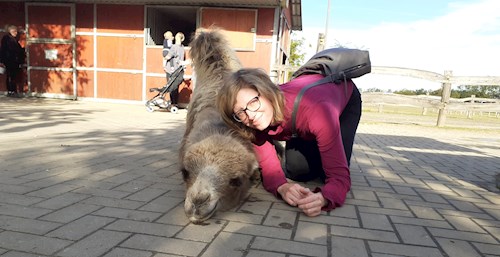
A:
x: 254, y: 3
x: 295, y: 5
x: 296, y: 10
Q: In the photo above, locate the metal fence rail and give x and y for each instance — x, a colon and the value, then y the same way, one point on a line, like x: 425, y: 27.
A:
x: 446, y: 79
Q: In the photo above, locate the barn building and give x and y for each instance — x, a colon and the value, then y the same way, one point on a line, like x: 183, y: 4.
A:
x: 108, y: 50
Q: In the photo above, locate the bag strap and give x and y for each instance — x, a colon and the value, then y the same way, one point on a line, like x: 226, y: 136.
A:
x: 335, y: 78
x: 327, y: 79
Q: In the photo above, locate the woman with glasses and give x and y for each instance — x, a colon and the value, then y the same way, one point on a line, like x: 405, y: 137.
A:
x: 326, y: 123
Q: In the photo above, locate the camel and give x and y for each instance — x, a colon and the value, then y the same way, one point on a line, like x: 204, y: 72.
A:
x: 218, y: 166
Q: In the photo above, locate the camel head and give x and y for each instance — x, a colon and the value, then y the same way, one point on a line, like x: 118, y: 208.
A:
x: 218, y: 172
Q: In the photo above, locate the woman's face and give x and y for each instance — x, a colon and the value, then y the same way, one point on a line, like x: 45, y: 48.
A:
x: 258, y: 119
x: 13, y: 32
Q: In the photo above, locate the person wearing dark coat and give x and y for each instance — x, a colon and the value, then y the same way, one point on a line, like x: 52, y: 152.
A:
x: 11, y: 57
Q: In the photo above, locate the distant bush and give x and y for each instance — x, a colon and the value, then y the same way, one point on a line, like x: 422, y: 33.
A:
x: 372, y: 90
x: 411, y: 92
x: 460, y: 92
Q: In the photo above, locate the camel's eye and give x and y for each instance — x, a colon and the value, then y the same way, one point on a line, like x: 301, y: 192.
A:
x: 185, y: 174
x: 235, y: 182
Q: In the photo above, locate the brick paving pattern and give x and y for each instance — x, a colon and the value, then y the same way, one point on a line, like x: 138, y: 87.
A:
x: 100, y: 179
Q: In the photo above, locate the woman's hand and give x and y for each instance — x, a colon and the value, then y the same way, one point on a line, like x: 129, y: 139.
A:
x: 312, y: 203
x: 291, y: 193
x: 296, y: 195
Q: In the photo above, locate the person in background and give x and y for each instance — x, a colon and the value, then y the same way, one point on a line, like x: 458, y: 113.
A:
x: 167, y: 44
x: 11, y: 57
x: 326, y: 123
x: 175, y: 59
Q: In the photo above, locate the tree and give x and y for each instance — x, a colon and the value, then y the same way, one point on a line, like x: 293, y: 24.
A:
x: 296, y: 58
x: 462, y: 91
x: 296, y: 54
x: 479, y: 91
x: 373, y: 89
x: 439, y: 92
x: 411, y: 92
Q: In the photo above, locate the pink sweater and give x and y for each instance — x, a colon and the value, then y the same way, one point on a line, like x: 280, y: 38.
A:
x: 317, y: 118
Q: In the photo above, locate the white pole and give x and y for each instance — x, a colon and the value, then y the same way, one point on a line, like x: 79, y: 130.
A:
x: 326, y: 25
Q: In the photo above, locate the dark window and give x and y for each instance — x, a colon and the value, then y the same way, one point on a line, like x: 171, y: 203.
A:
x: 169, y: 18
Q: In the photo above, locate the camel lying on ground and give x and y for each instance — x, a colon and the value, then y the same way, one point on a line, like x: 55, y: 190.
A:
x: 218, y: 166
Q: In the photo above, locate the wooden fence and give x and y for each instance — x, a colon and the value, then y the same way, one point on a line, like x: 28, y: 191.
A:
x: 470, y: 107
x: 446, y: 80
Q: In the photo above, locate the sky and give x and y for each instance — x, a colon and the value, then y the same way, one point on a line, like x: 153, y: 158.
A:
x: 433, y: 35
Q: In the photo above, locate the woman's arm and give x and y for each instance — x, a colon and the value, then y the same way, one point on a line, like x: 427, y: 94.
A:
x: 272, y: 172
x: 325, y: 126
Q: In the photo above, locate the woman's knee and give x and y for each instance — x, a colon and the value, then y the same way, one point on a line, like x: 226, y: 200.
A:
x: 302, y: 160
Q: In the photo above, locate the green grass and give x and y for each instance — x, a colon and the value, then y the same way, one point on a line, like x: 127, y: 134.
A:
x: 413, y: 115
x: 431, y: 112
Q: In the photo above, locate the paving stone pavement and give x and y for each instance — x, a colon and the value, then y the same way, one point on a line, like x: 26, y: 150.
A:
x: 100, y: 179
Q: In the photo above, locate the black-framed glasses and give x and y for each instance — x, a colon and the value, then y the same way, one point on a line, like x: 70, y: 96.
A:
x: 253, y: 105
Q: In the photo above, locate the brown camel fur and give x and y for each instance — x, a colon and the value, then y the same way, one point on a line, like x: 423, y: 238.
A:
x: 218, y: 166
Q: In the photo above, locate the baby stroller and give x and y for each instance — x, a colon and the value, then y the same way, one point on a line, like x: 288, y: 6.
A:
x: 159, y: 100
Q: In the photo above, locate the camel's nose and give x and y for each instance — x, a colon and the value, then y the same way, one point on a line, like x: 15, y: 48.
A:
x: 201, y: 199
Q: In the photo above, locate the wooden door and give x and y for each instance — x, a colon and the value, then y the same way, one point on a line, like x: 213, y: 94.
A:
x: 240, y: 25
x: 51, y: 50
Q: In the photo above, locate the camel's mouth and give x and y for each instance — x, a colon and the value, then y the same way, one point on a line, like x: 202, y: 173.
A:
x: 199, y: 214
x: 199, y: 220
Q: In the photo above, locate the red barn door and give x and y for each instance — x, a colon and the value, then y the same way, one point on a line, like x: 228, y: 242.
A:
x: 51, y: 49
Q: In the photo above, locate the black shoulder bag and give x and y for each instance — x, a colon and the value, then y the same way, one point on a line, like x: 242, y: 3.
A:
x: 336, y: 65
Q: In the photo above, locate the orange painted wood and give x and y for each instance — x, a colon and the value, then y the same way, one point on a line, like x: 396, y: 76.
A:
x: 265, y: 24
x: 152, y: 82
x: 84, y: 17
x: 119, y: 85
x: 120, y: 18
x: 238, y: 25
x: 127, y: 52
x: 12, y: 13
x: 119, y: 52
x: 42, y: 25
x: 43, y: 81
x: 37, y: 55
x: 85, y: 83
x: 154, y: 60
x: 252, y: 60
x: 84, y: 51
